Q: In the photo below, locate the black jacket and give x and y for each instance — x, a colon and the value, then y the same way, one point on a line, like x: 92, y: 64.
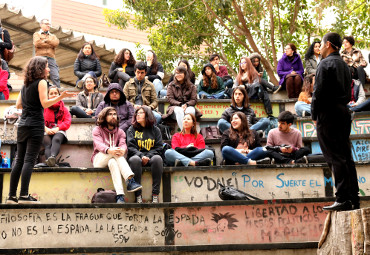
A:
x: 6, y: 43
x: 332, y: 86
x: 249, y: 113
x: 82, y: 67
x: 151, y: 143
x: 227, y: 141
x: 113, y: 71
x: 154, y: 75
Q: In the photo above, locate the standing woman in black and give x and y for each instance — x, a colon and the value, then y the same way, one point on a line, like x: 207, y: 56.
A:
x: 33, y: 98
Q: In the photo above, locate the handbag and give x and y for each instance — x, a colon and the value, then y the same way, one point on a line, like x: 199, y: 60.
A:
x: 104, y: 196
x: 8, y: 54
x: 230, y: 193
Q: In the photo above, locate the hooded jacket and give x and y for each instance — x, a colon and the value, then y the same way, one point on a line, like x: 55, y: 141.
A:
x: 209, y: 89
x: 285, y: 67
x: 124, y: 109
x: 104, y: 139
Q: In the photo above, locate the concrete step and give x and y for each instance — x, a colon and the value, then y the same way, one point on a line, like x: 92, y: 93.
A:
x: 166, y: 227
x: 190, y: 184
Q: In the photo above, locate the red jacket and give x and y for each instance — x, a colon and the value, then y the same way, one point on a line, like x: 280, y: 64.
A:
x: 4, y: 83
x: 64, y: 123
x: 181, y: 140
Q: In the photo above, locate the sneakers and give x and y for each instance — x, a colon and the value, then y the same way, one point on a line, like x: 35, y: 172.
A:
x: 120, y: 199
x: 305, y: 114
x: 178, y: 163
x: 28, y: 200
x: 139, y: 199
x: 276, y: 89
x: 12, y: 201
x: 203, y: 97
x: 80, y: 84
x: 303, y: 160
x: 264, y: 161
x: 272, y: 161
x: 132, y: 186
x: 51, y: 161
x: 155, y: 199
x: 203, y: 162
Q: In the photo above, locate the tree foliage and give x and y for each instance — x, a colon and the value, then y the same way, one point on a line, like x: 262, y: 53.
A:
x: 233, y: 28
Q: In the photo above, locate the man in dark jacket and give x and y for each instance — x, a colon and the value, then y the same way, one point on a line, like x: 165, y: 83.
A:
x: 6, y: 43
x: 240, y: 103
x: 332, y: 92
x: 117, y: 99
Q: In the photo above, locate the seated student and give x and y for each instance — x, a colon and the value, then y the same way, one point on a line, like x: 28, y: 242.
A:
x: 221, y: 71
x: 182, y: 96
x: 86, y: 62
x: 290, y: 70
x: 357, y: 91
x: 110, y: 151
x: 284, y: 144
x: 57, y: 122
x: 145, y: 146
x: 188, y: 147
x: 154, y: 70
x: 122, y: 68
x: 264, y: 80
x: 4, y: 90
x: 303, y: 105
x: 312, y: 58
x: 239, y: 144
x: 353, y: 57
x: 240, y: 103
x: 211, y: 85
x: 184, y: 63
x: 140, y: 91
x: 117, y: 99
x: 248, y: 77
x: 87, y: 100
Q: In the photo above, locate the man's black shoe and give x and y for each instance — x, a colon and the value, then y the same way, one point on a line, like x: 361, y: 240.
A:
x: 355, y: 206
x: 345, y: 206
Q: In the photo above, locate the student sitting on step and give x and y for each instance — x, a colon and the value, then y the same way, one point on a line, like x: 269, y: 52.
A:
x: 140, y: 91
x: 57, y: 121
x: 117, y: 99
x: 239, y: 144
x: 182, y: 96
x: 154, y: 72
x: 221, y: 71
x: 240, y: 103
x: 145, y: 145
x: 358, y: 96
x: 303, y: 104
x: 188, y: 147
x: 211, y: 85
x: 122, y: 68
x: 249, y: 78
x: 4, y: 91
x: 284, y: 144
x: 110, y: 150
x: 88, y: 99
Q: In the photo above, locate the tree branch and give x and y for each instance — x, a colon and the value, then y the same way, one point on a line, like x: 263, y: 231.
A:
x: 272, y: 25
x: 280, y: 29
x: 292, y: 26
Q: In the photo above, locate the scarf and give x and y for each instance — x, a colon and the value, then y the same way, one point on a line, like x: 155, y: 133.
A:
x: 59, y: 107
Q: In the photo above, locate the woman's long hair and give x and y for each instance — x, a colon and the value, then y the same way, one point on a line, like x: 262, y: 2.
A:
x: 35, y: 70
x: 81, y: 54
x: 191, y: 73
x: 245, y: 133
x: 307, y: 83
x: 183, y: 70
x: 102, y: 117
x: 86, y: 92
x: 149, y: 118
x: 193, y: 129
x: 310, y: 50
x: 212, y: 79
x: 120, y: 58
x: 154, y: 65
x: 251, y: 71
x: 245, y: 100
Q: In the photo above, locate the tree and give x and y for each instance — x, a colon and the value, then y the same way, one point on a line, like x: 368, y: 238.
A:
x: 233, y: 28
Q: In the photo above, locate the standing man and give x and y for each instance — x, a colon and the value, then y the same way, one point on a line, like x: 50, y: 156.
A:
x: 332, y: 92
x: 45, y: 45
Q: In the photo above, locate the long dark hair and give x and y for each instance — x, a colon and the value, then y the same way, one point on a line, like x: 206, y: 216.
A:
x: 210, y: 81
x: 120, y: 58
x: 187, y: 81
x: 193, y: 129
x: 250, y: 70
x: 245, y: 100
x: 102, y: 117
x: 307, y: 83
x: 310, y: 50
x: 149, y: 118
x: 154, y: 65
x: 86, y: 92
x: 245, y: 133
x: 81, y: 54
x: 35, y: 69
x: 191, y: 73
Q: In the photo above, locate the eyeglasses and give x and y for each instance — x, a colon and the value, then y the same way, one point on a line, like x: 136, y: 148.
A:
x: 140, y: 113
x: 242, y: 63
x: 114, y: 92
x: 47, y: 24
x: 113, y: 114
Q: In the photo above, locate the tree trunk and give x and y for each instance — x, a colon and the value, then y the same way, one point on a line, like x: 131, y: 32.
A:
x: 346, y: 233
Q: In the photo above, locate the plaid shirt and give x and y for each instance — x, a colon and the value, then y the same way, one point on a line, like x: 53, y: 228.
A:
x: 353, y: 58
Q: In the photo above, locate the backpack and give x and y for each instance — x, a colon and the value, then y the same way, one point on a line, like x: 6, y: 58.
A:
x: 12, y: 116
x: 104, y: 196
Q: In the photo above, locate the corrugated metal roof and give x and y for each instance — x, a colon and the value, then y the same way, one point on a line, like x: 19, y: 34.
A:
x: 21, y: 30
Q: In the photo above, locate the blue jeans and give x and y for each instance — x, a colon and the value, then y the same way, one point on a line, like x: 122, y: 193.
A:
x: 223, y: 125
x: 158, y: 85
x: 211, y: 96
x: 365, y: 106
x: 157, y: 116
x: 162, y: 93
x: 302, y: 106
x: 2, y: 96
x: 171, y: 155
x: 91, y: 73
x: 54, y: 72
x: 262, y: 124
x: 232, y: 155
